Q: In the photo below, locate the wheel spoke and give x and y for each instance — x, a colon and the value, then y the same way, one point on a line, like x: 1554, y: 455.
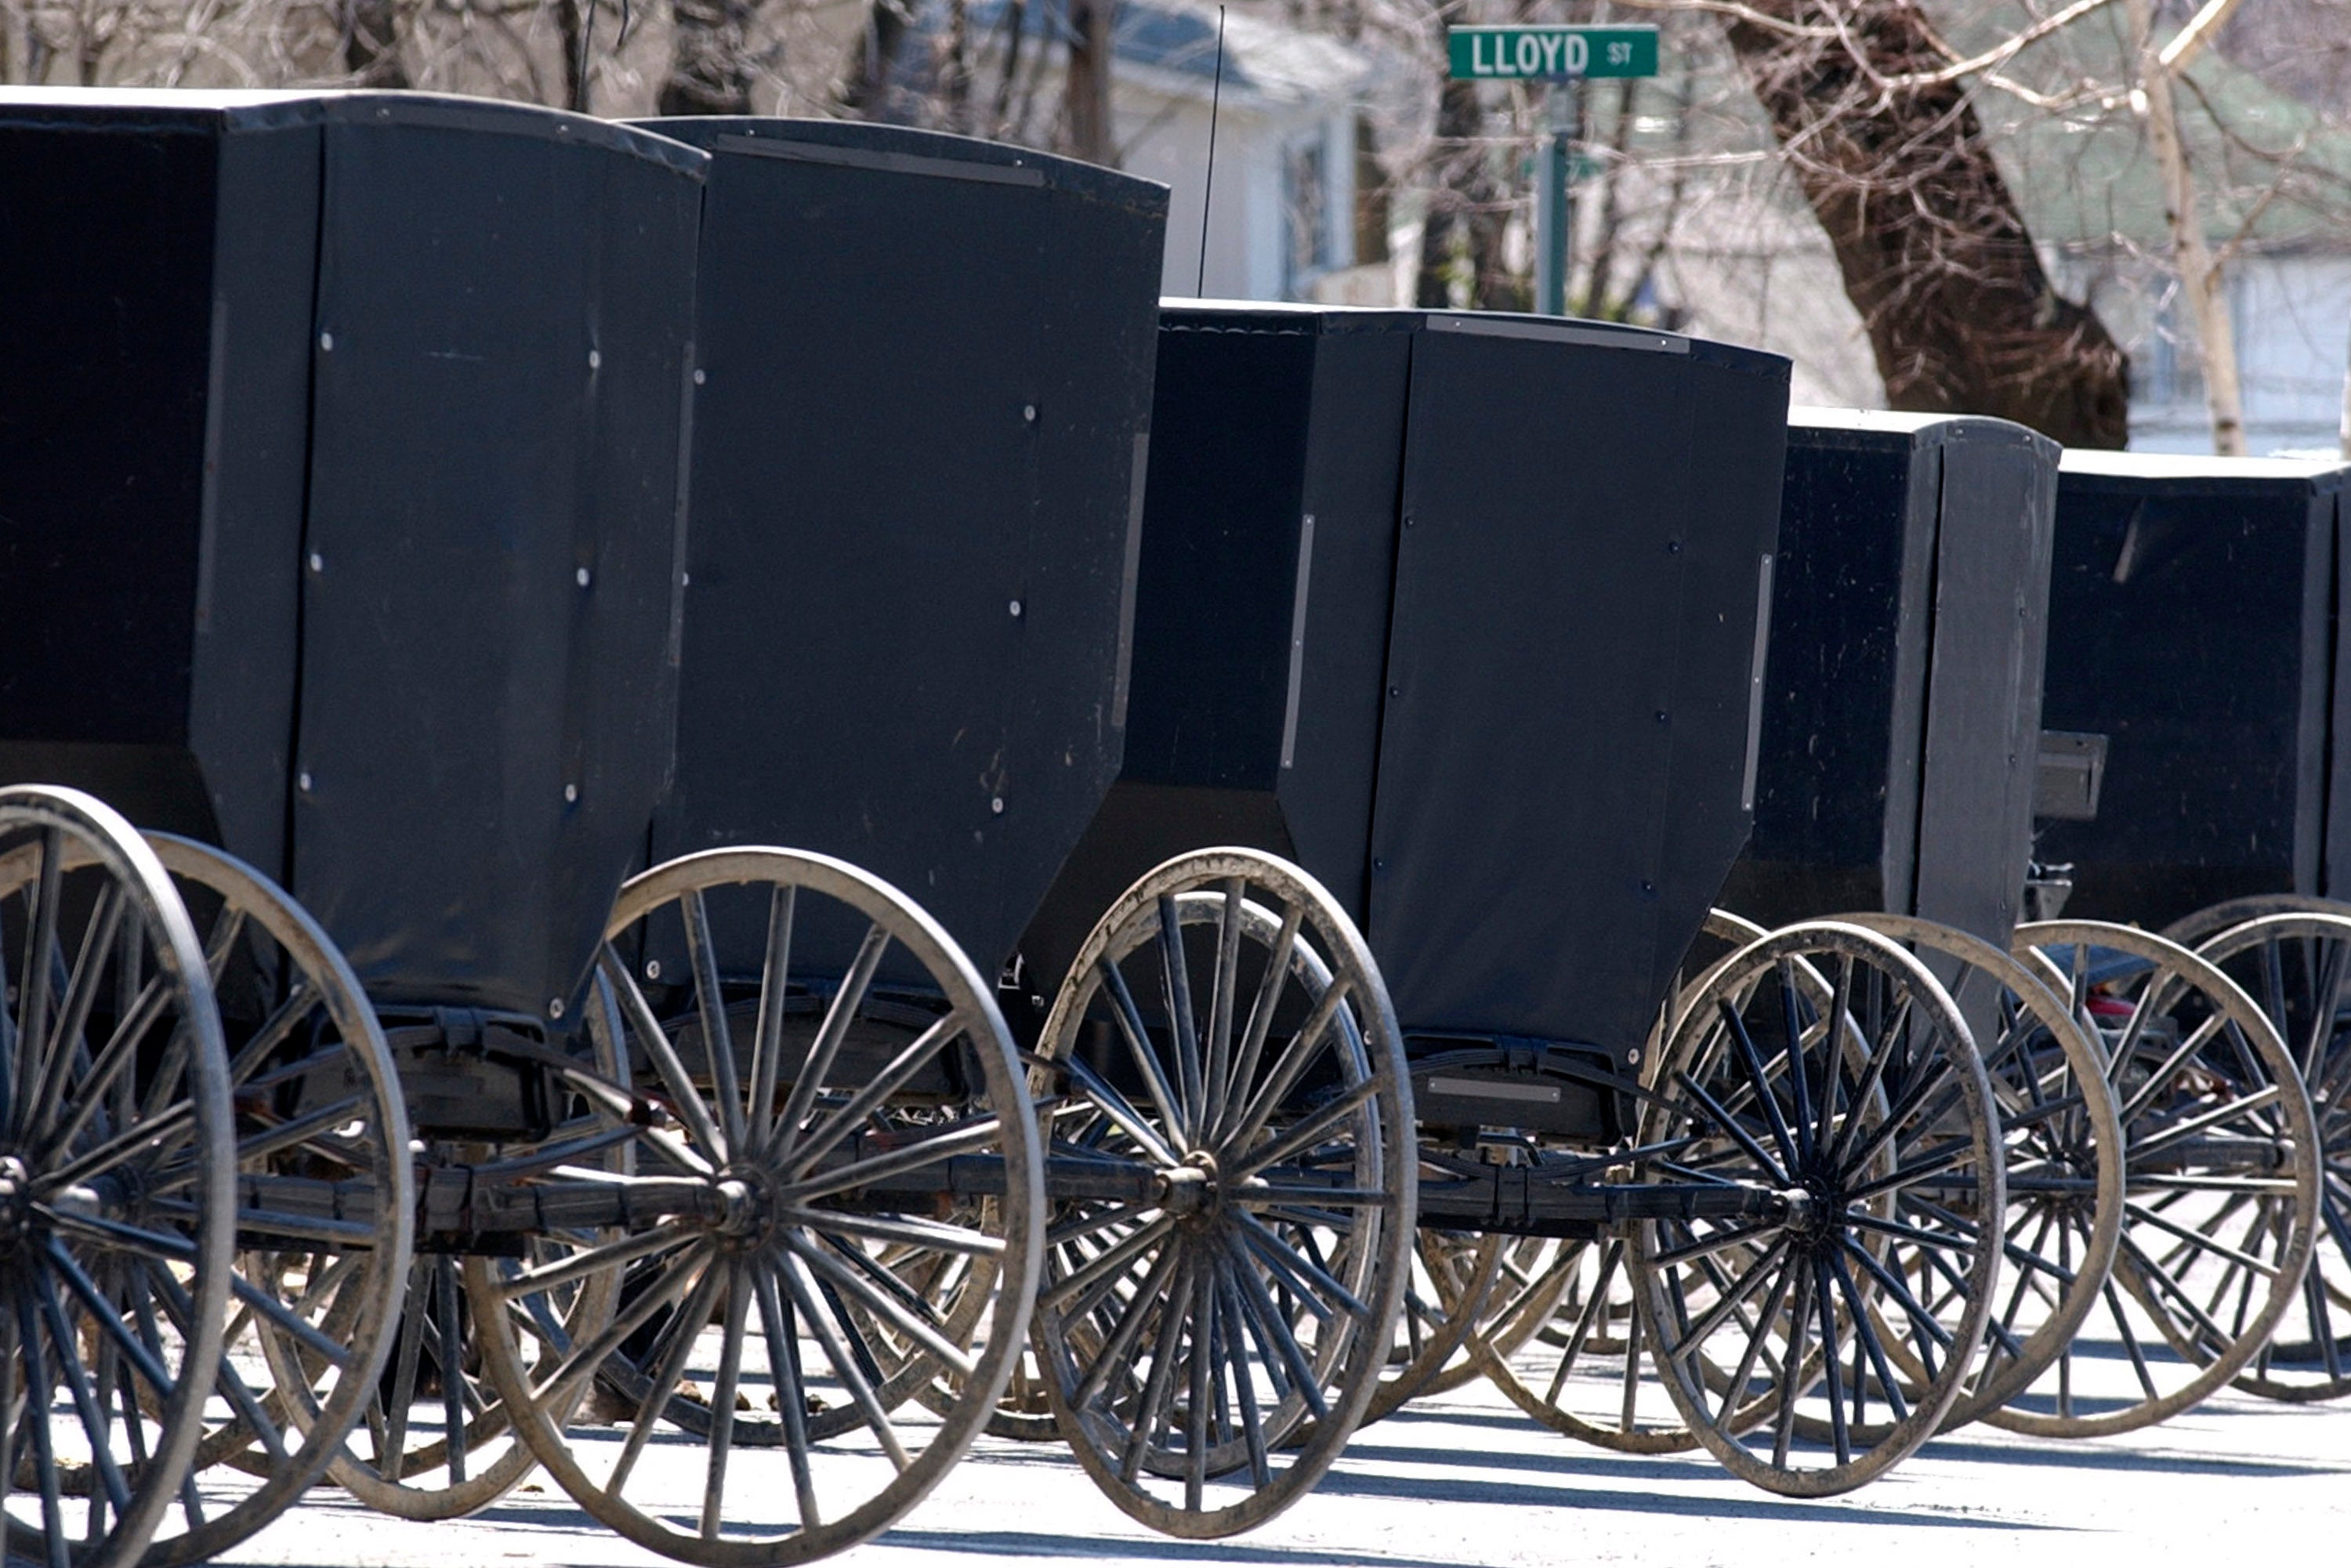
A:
x: 791, y: 1391
x: 924, y: 1233
x: 838, y: 1015
x: 767, y: 1035
x: 33, y: 983
x: 1176, y: 981
x: 1311, y: 1130
x: 882, y: 1305
x: 1076, y: 1295
x: 962, y: 1138
x: 1277, y: 962
x: 1160, y: 1386
x: 686, y: 1100
x: 710, y: 1007
x: 662, y: 1238
x: 822, y: 1139
x: 274, y: 1032
x: 73, y: 1014
x: 844, y: 1364
x: 1291, y: 1064
x: 1313, y: 1283
x: 674, y: 1349
x: 1116, y: 1106
x: 1118, y: 1347
x: 1132, y: 1029
x: 1275, y: 1341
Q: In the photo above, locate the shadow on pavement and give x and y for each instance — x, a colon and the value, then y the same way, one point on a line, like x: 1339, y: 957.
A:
x: 1025, y: 1543
x: 1755, y: 1506
x: 2088, y: 1456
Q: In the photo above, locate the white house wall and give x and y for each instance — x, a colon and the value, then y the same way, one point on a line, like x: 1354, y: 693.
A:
x: 1164, y: 137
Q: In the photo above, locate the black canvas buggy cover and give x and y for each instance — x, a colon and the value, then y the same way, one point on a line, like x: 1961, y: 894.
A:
x: 340, y: 502
x: 2193, y: 656
x: 1902, y: 698
x: 1459, y: 612
x: 918, y: 453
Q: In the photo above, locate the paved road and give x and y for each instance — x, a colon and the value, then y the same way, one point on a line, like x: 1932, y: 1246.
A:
x: 1465, y: 1480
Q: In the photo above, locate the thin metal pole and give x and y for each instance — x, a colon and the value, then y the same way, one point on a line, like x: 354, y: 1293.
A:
x: 1208, y: 185
x: 1555, y: 198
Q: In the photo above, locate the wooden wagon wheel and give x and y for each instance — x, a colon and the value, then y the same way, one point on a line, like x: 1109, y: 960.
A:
x: 2192, y: 930
x: 1861, y: 1114
x: 117, y: 1185
x: 1242, y: 1079
x: 820, y: 1173
x: 1564, y: 1344
x: 435, y: 1442
x: 2062, y: 1148
x: 2222, y: 1181
x: 2296, y: 966
x: 316, y: 1101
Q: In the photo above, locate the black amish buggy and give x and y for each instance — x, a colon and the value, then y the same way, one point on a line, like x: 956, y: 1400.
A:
x: 1465, y: 615
x: 2191, y: 768
x: 344, y: 540
x: 2192, y: 683
x: 1902, y: 698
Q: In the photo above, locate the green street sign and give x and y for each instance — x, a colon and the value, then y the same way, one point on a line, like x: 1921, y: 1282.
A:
x: 1551, y: 54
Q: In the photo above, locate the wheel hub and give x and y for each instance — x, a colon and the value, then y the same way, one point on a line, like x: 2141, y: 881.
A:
x: 748, y: 1206
x: 15, y: 1202
x: 1194, y: 1191
x: 1815, y: 1209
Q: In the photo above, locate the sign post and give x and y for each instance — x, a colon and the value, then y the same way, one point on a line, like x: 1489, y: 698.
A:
x: 1564, y: 58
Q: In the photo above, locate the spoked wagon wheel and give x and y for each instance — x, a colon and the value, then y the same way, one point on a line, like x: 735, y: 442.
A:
x: 2191, y: 931
x: 1454, y: 1277
x: 1567, y: 1346
x: 829, y: 1165
x: 2298, y: 969
x: 117, y: 1185
x: 2062, y: 1150
x: 1873, y: 1120
x: 1580, y: 1363
x: 1235, y: 1270
x: 435, y: 1442
x: 2221, y: 1182
x: 324, y: 1208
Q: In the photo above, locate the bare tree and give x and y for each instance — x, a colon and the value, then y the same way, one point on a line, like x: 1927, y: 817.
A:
x: 709, y: 58
x: 1880, y: 133
x: 1088, y: 81
x: 373, y: 30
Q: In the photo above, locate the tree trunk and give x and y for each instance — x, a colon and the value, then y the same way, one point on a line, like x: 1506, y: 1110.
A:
x: 1448, y: 195
x: 709, y: 71
x: 868, y: 83
x: 1089, y: 82
x: 2199, y: 277
x: 574, y: 22
x: 955, y: 69
x: 1934, y: 251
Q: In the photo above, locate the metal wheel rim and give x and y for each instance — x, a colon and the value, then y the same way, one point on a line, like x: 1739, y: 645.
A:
x: 1805, y: 1135
x: 2324, y: 1063
x: 982, y: 1029
x: 361, y: 1336
x: 2000, y: 1378
x: 2186, y: 972
x: 1369, y: 1047
x: 72, y: 824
